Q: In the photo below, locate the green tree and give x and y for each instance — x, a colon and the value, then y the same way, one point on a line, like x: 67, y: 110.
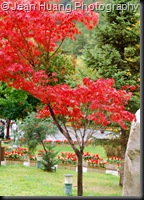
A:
x: 15, y: 104
x: 49, y: 158
x: 116, y: 54
x: 76, y: 47
x: 35, y: 132
x: 81, y: 71
x: 63, y: 65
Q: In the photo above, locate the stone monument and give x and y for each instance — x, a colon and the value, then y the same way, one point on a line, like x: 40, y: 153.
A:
x: 131, y: 184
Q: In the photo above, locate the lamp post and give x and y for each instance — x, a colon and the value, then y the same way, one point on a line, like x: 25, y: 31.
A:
x: 68, y: 184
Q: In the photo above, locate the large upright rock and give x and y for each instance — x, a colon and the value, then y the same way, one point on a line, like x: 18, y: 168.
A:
x: 131, y: 184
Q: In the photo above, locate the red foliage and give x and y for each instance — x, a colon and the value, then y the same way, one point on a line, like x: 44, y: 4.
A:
x: 105, y: 103
x: 25, y: 37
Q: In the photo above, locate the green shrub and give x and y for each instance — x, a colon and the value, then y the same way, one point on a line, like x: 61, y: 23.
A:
x: 36, y: 131
x: 49, y: 158
x: 112, y: 150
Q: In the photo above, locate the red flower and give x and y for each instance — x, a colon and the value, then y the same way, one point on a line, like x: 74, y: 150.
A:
x: 97, y: 162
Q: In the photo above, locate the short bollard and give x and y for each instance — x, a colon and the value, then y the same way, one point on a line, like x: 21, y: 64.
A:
x: 10, y: 148
x: 68, y: 184
x: 39, y: 164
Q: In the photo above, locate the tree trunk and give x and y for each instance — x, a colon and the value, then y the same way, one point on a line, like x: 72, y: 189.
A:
x: 80, y: 175
x: 123, y: 150
x: 0, y: 153
x: 8, y: 128
x: 78, y: 153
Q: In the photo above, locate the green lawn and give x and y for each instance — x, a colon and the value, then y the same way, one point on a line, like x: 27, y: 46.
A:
x: 16, y: 180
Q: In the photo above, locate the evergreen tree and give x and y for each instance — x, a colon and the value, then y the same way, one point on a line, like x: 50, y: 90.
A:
x: 36, y: 131
x: 77, y: 46
x: 116, y: 54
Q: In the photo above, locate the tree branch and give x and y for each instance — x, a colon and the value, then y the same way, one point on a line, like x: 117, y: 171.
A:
x: 66, y: 134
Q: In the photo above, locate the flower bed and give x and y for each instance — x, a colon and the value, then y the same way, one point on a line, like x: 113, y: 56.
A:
x: 15, y: 156
x: 113, y: 159
x: 93, y: 163
x: 32, y: 160
x: 86, y: 157
x: 96, y: 161
x: 68, y: 158
x: 113, y: 162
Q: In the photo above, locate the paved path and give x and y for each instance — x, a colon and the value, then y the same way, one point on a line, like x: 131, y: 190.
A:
x: 60, y: 136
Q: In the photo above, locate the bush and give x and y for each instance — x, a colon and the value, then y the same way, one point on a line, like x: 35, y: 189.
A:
x: 112, y: 150
x: 49, y: 158
x: 36, y: 130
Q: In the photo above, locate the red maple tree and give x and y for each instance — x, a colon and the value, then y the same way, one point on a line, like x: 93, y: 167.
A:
x: 28, y: 42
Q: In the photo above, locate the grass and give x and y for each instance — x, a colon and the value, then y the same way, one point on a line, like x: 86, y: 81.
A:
x: 17, y: 180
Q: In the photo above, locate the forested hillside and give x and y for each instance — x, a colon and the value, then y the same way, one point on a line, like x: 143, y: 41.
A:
x: 87, y: 37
